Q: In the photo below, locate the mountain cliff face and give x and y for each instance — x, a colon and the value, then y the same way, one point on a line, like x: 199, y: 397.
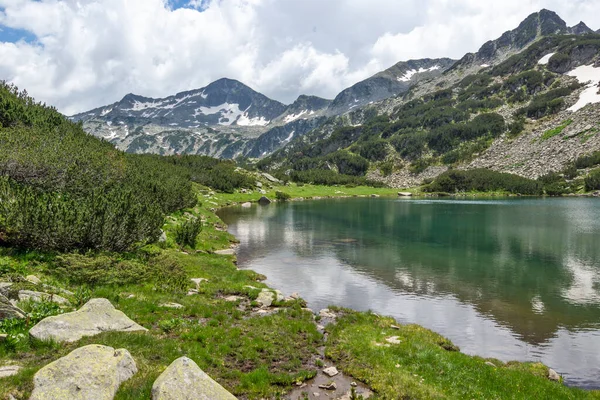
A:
x: 391, y: 82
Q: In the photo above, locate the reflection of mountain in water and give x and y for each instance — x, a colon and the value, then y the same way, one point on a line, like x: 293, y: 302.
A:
x: 531, y: 265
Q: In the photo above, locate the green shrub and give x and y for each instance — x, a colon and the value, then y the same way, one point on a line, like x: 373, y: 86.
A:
x: 483, y: 180
x: 570, y: 171
x: 187, y: 232
x: 282, y: 196
x: 63, y: 189
x: 592, y: 181
x: 588, y: 161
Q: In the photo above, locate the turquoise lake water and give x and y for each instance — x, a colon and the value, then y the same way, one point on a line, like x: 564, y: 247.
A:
x: 514, y: 279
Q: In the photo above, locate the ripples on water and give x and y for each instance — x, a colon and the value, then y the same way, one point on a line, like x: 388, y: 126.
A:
x: 514, y: 279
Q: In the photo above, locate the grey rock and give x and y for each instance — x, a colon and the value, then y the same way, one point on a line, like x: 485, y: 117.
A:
x: 89, y: 372
x: 7, y: 310
x: 553, y: 375
x: 96, y: 316
x: 393, y: 340
x: 404, y: 194
x: 265, y: 298
x: 263, y: 201
x: 225, y: 252
x: 172, y: 305
x: 9, y: 370
x: 326, y: 313
x: 270, y: 178
x: 163, y: 237
x: 331, y: 371
x: 30, y: 295
x: 328, y: 386
x: 3, y: 337
x: 259, y: 184
x: 33, y: 279
x: 247, y: 204
x: 198, y: 282
x: 184, y: 380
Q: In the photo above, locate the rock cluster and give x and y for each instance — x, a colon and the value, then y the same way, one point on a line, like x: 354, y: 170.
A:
x: 96, y: 371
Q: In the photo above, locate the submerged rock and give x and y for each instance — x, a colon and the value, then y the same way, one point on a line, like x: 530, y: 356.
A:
x: 95, y: 317
x: 89, y: 372
x: 183, y: 379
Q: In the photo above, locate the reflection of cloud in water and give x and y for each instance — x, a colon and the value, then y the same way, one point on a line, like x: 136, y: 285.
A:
x: 584, y: 287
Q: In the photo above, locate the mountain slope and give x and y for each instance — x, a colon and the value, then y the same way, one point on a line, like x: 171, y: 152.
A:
x: 526, y: 115
x: 391, y: 82
x: 224, y: 102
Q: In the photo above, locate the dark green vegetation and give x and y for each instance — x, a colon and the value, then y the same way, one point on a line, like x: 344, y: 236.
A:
x: 63, y: 189
x: 483, y: 180
x: 426, y: 366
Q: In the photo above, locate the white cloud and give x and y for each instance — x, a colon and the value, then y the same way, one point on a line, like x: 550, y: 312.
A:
x: 92, y: 52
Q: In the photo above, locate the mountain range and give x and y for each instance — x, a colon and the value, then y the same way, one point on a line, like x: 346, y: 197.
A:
x: 228, y: 119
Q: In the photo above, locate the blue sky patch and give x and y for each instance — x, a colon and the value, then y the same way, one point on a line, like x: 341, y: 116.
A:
x: 14, y: 35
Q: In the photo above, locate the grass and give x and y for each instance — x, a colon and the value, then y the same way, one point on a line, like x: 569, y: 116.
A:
x: 556, y: 131
x: 426, y: 366
x: 254, y: 356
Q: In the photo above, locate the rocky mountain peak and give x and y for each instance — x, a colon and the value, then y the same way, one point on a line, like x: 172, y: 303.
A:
x: 391, y: 82
x: 580, y: 29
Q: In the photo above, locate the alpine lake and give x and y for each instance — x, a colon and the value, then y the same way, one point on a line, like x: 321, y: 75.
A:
x: 513, y: 279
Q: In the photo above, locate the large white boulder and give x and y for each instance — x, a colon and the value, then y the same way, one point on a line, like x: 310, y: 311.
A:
x: 184, y: 380
x: 89, y: 372
x: 96, y: 316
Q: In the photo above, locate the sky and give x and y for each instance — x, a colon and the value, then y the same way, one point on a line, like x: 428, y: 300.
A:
x: 80, y: 54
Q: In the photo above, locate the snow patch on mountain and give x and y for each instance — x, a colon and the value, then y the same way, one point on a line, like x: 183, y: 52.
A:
x: 591, y: 75
x: 544, y: 60
x: 410, y: 73
x: 244, y: 120
x: 293, y: 117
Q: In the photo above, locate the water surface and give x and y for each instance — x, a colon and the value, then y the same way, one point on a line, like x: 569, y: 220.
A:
x: 514, y: 279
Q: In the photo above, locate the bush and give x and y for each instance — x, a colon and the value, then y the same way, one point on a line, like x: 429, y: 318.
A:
x: 282, y: 196
x: 187, y: 232
x: 592, y: 181
x: 570, y: 171
x: 63, y: 189
x: 483, y: 180
x: 588, y: 161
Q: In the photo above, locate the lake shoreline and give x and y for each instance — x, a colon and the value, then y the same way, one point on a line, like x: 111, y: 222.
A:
x: 388, y: 195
